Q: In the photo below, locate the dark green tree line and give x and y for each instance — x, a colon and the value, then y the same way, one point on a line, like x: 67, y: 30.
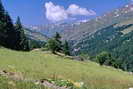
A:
x: 21, y: 40
x: 11, y: 36
x: 6, y: 29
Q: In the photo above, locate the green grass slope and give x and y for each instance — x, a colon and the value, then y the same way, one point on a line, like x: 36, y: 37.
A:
x: 40, y: 65
x: 6, y: 83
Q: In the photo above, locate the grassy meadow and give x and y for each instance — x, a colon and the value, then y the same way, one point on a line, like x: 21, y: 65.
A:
x: 6, y: 83
x: 40, y: 65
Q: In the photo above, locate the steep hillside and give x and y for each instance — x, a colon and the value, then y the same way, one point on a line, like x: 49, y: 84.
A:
x: 77, y: 31
x: 41, y: 65
x: 35, y: 35
x: 110, y: 18
x: 117, y: 39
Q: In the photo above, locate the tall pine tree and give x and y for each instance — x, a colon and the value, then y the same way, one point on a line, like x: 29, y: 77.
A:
x: 10, y: 40
x: 2, y: 11
x: 66, y: 48
x: 11, y: 36
x: 21, y: 40
x: 2, y: 25
x: 6, y: 29
x: 57, y: 37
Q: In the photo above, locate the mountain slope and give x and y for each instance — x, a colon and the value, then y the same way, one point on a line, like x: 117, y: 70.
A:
x: 79, y: 30
x: 110, y: 18
x: 41, y: 65
x: 51, y: 29
x: 35, y: 35
x: 116, y: 39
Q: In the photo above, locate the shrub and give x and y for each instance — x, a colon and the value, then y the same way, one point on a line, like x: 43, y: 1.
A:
x: 104, y: 58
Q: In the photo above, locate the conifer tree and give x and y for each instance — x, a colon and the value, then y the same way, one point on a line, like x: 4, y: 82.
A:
x: 57, y: 37
x: 10, y: 32
x: 10, y: 36
x: 21, y: 40
x: 53, y: 45
x: 2, y: 10
x: 66, y: 48
x: 2, y: 31
x: 6, y: 28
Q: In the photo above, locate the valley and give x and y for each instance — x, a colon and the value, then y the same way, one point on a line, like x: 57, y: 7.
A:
x: 74, y: 48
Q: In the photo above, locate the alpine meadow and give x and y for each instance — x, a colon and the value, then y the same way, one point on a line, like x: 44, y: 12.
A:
x: 51, y: 44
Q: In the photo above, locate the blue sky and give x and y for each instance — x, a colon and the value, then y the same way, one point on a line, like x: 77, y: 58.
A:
x: 33, y: 12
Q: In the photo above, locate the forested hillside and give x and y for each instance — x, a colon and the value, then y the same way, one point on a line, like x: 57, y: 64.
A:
x: 16, y: 36
x: 116, y: 39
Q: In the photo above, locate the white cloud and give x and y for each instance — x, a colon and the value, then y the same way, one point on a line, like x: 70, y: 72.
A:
x: 57, y: 13
x: 76, y: 10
